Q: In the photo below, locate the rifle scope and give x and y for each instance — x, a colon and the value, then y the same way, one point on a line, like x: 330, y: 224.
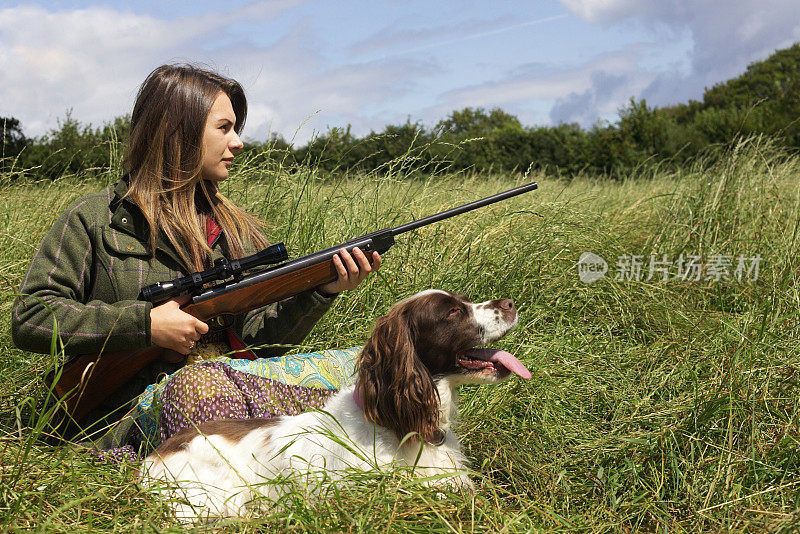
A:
x: 223, y: 268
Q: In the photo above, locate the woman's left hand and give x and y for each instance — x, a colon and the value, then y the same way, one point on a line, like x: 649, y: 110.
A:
x: 352, y: 270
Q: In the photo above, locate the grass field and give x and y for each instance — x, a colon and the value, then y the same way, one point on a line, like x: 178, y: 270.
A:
x: 655, y: 405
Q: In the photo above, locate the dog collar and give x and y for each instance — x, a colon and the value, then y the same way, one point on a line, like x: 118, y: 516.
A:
x: 357, y: 398
x: 440, y: 435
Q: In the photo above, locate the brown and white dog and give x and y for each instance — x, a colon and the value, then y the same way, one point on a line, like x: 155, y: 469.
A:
x: 401, y: 410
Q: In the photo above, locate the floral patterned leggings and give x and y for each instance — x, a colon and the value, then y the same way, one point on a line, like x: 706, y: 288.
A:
x: 223, y: 387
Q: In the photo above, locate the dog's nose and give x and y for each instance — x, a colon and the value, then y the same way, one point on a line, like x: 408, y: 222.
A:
x: 506, y: 304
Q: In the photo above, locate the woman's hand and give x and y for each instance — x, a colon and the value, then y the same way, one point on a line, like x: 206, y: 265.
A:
x: 173, y: 328
x: 352, y: 270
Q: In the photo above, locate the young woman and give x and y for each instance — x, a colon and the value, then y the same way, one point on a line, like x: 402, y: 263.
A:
x: 165, y: 218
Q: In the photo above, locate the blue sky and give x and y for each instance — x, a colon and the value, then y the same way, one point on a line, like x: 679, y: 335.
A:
x: 308, y: 65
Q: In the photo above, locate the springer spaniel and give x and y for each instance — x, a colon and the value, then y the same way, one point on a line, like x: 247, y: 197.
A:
x: 401, y: 410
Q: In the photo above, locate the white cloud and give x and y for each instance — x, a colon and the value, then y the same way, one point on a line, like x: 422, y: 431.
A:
x: 294, y: 84
x: 414, y: 40
x: 602, y: 10
x: 582, y: 92
x: 93, y: 60
x: 723, y: 39
x: 56, y: 61
x: 726, y: 36
x: 543, y: 81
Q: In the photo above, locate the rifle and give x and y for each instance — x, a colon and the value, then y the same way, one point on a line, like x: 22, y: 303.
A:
x: 85, y: 381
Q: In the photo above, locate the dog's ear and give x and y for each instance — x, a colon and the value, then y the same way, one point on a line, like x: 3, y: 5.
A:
x: 396, y: 388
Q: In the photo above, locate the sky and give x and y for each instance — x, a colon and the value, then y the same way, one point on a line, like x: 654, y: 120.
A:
x: 310, y: 65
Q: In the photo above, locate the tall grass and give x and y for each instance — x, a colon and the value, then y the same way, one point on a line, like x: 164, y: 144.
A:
x: 655, y: 405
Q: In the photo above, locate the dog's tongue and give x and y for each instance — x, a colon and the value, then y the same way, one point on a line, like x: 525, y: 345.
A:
x: 505, y: 358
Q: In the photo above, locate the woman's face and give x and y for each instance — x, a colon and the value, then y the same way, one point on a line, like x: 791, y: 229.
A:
x: 220, y: 141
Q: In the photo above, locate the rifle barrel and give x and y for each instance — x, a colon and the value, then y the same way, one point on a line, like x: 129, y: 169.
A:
x: 413, y: 225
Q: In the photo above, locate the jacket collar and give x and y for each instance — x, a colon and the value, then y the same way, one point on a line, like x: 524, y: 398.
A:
x: 126, y: 217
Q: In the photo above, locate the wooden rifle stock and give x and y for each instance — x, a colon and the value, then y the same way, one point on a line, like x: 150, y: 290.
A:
x: 85, y: 381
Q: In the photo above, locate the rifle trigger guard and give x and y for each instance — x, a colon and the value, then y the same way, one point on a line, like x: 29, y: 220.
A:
x: 221, y: 321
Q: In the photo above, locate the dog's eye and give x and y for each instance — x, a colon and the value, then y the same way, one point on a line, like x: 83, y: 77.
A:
x: 453, y: 311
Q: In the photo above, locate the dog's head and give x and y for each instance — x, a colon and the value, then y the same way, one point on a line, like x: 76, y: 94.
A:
x: 426, y: 337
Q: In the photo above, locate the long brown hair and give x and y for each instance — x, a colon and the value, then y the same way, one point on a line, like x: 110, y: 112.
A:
x: 165, y: 158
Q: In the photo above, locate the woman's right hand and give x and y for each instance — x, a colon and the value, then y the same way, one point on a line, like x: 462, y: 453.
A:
x: 173, y: 328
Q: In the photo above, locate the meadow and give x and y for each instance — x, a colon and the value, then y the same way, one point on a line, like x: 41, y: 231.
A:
x: 662, y: 405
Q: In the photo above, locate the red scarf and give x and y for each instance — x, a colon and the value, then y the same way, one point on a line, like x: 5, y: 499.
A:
x: 241, y: 351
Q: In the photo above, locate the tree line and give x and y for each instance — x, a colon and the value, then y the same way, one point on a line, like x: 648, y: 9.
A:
x: 764, y: 100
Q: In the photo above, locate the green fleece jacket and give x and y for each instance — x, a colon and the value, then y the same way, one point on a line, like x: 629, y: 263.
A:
x: 86, y: 277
